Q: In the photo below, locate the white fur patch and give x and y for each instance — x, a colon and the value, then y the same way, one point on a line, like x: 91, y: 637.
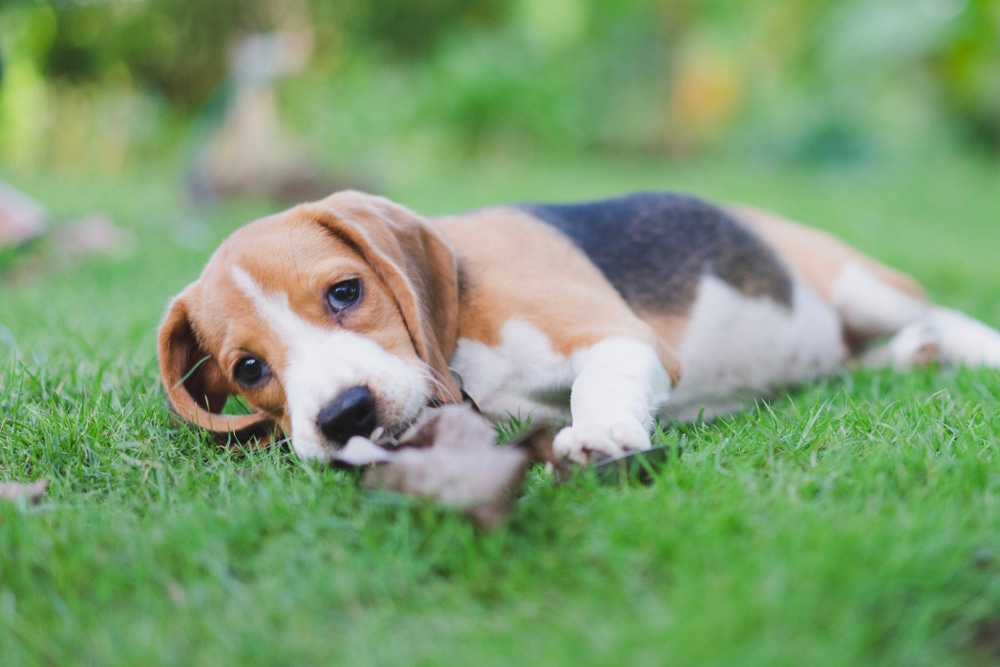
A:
x: 521, y: 376
x: 920, y: 332
x: 737, y: 348
x: 323, y: 363
x: 620, y: 385
x: 960, y: 339
x: 612, y: 389
x: 871, y: 306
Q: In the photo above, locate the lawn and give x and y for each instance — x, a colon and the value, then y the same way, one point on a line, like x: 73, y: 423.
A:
x: 854, y: 522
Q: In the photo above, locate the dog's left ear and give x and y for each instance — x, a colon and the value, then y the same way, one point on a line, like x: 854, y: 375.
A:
x: 196, y: 387
x: 417, y: 265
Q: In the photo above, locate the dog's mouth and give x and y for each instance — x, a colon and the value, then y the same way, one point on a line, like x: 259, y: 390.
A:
x: 351, y: 414
x: 355, y: 412
x: 379, y: 407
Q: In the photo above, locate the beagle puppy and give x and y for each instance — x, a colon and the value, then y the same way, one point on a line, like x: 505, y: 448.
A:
x: 340, y: 316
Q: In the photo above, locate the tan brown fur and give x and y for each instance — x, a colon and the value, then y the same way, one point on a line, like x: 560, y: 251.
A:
x: 410, y: 307
x: 415, y: 264
x: 508, y: 257
x: 817, y: 256
x: 196, y: 386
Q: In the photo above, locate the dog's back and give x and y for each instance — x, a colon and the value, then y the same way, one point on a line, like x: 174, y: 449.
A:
x: 655, y: 247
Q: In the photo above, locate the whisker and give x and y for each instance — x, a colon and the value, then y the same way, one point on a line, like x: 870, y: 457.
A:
x: 426, y: 374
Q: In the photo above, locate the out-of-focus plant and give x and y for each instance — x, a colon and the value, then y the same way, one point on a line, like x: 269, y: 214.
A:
x: 180, y: 48
x: 796, y: 79
x: 857, y: 76
x: 144, y: 55
x: 967, y: 67
x: 815, y: 80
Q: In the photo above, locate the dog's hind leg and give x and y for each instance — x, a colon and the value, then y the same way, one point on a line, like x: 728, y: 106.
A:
x: 943, y: 335
x: 875, y: 302
x: 875, y: 310
x: 964, y: 340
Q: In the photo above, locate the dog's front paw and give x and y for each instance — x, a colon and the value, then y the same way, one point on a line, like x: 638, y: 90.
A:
x: 591, y: 442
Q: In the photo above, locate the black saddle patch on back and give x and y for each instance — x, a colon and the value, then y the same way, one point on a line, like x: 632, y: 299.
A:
x: 655, y: 247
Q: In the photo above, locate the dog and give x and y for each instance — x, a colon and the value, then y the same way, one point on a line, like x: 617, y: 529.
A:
x: 353, y: 313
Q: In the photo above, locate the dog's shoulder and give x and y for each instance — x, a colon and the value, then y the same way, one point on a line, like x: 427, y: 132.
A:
x: 655, y: 247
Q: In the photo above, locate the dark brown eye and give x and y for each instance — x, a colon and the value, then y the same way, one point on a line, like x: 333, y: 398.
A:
x: 343, y: 294
x: 250, y: 371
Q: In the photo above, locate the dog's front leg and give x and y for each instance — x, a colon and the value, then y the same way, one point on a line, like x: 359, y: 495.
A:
x: 620, y: 386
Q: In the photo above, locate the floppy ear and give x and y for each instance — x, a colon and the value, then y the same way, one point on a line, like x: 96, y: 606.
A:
x: 196, y: 387
x: 417, y: 265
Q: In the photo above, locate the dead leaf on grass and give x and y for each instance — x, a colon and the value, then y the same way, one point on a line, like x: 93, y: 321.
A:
x: 95, y: 234
x: 450, y: 458
x: 14, y: 491
x: 986, y: 637
x: 360, y: 451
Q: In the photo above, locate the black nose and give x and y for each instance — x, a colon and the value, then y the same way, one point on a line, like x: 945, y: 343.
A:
x: 352, y: 413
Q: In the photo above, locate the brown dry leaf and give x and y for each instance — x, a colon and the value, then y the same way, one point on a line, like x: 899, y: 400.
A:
x: 95, y: 234
x: 360, y: 451
x: 14, y: 491
x: 454, y: 426
x: 21, y: 217
x: 451, y: 458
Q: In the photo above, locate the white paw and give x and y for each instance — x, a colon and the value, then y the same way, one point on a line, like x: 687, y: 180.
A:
x: 914, y: 346
x: 586, y: 443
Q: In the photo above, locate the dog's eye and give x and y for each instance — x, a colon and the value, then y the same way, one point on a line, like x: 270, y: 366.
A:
x: 249, y: 371
x: 344, y: 293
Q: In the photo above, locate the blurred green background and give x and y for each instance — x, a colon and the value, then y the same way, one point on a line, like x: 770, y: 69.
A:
x: 102, y: 84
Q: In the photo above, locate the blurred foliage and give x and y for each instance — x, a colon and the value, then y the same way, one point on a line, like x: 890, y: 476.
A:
x: 797, y: 79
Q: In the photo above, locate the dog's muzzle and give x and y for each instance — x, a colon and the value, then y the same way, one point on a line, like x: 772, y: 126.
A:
x: 351, y: 413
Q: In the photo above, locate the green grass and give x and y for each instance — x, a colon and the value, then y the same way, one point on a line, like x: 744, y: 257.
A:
x: 852, y: 523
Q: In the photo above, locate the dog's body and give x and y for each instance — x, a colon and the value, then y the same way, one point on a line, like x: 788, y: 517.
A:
x: 337, y: 317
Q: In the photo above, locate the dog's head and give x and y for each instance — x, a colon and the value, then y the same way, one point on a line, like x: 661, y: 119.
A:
x: 329, y: 319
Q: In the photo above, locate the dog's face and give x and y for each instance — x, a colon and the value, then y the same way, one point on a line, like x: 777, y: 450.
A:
x: 329, y: 319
